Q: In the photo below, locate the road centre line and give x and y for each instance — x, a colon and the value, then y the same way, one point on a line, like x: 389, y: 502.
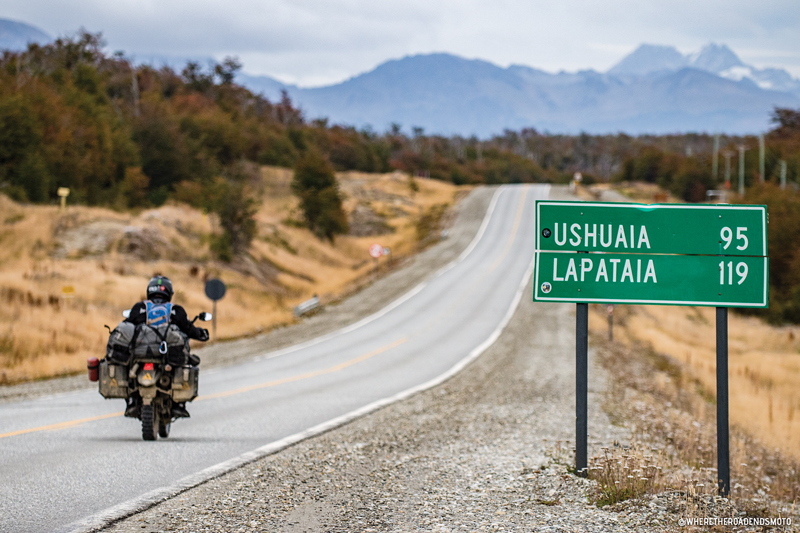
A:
x: 331, y: 370
x: 467, y: 293
x: 513, y: 234
x: 336, y: 368
x: 59, y: 425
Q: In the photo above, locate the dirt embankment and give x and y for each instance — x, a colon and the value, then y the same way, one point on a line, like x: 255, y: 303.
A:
x: 63, y: 275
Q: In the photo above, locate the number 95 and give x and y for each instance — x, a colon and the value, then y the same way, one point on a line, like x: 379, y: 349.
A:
x: 727, y: 235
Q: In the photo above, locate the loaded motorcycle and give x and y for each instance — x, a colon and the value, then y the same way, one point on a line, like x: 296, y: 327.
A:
x: 152, y: 368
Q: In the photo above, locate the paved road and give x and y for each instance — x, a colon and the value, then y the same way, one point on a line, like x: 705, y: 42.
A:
x: 65, y: 457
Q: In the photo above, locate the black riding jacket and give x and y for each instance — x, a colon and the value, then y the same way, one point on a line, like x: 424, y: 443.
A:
x: 178, y: 317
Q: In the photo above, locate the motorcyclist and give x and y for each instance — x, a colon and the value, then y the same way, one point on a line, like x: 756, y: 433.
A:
x: 158, y: 309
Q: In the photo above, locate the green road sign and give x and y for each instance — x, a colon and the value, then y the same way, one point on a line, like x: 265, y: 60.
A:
x: 656, y: 229
x: 670, y: 254
x: 717, y: 281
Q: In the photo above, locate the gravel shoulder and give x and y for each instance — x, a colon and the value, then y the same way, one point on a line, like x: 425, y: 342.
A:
x: 488, y: 450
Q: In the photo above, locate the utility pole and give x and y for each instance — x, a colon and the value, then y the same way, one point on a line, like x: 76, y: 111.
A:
x: 783, y: 174
x: 742, y: 150
x: 727, y: 154
x: 715, y: 161
x: 761, y: 165
x: 135, y: 92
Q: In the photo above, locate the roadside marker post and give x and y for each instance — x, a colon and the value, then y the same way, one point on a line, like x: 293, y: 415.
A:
x: 63, y: 192
x: 376, y: 251
x: 662, y: 254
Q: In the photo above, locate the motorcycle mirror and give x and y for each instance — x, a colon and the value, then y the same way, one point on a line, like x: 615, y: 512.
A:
x: 126, y: 313
x: 205, y: 317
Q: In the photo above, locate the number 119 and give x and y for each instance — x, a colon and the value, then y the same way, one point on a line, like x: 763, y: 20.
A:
x: 741, y: 271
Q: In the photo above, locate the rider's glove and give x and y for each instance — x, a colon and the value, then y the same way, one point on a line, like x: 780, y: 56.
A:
x: 203, y: 335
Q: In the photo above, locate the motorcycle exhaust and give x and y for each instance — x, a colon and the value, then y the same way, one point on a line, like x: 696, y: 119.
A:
x: 93, y: 365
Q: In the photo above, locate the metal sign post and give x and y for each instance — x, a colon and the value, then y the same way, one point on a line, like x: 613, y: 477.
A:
x: 581, y: 388
x: 670, y: 254
x: 723, y: 452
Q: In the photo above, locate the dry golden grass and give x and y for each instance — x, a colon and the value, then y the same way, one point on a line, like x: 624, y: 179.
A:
x: 44, y: 250
x: 763, y: 363
x: 673, y: 443
x: 634, y: 191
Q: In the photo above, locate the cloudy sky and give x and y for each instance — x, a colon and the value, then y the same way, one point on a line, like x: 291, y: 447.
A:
x: 316, y: 42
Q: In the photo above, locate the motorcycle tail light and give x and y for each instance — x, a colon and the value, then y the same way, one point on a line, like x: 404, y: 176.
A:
x: 148, y: 366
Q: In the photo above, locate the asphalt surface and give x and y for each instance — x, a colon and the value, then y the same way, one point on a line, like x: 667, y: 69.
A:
x: 66, y: 457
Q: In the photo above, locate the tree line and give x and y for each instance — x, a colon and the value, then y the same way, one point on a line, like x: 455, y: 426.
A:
x: 118, y: 134
x: 126, y: 136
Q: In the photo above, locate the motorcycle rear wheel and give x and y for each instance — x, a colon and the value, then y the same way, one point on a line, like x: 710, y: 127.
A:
x: 149, y: 423
x: 163, y: 428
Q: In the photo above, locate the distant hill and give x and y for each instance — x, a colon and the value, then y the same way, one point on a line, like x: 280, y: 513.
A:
x: 655, y: 89
x: 17, y: 35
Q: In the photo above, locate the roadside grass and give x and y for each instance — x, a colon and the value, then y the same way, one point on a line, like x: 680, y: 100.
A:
x: 673, y: 443
x: 106, y: 258
x: 763, y: 363
x: 622, y: 476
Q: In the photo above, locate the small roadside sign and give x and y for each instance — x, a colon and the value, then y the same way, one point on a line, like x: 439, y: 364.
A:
x: 215, y: 290
x: 63, y: 192
x: 375, y: 251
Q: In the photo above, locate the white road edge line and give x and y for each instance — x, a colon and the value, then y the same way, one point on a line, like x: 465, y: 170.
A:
x: 118, y: 512
x: 407, y: 296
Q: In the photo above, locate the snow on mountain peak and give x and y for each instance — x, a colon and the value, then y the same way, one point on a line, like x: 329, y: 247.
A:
x: 716, y: 58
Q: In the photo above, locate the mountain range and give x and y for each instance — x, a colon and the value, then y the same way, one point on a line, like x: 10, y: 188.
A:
x: 655, y: 89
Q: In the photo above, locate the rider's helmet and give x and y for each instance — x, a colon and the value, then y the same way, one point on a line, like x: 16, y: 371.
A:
x: 159, y: 289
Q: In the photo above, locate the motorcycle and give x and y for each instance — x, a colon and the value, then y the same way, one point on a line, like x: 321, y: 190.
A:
x: 152, y: 369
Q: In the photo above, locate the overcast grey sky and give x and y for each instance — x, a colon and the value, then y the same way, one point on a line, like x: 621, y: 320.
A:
x: 315, y: 42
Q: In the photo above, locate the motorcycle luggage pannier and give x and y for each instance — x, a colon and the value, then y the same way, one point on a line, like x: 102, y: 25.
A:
x: 184, y: 383
x: 113, y: 379
x: 119, y: 342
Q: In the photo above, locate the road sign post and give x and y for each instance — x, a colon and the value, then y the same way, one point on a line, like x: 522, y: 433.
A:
x: 723, y: 453
x: 375, y: 251
x: 63, y: 192
x: 670, y: 254
x: 581, y: 388
x: 215, y: 290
